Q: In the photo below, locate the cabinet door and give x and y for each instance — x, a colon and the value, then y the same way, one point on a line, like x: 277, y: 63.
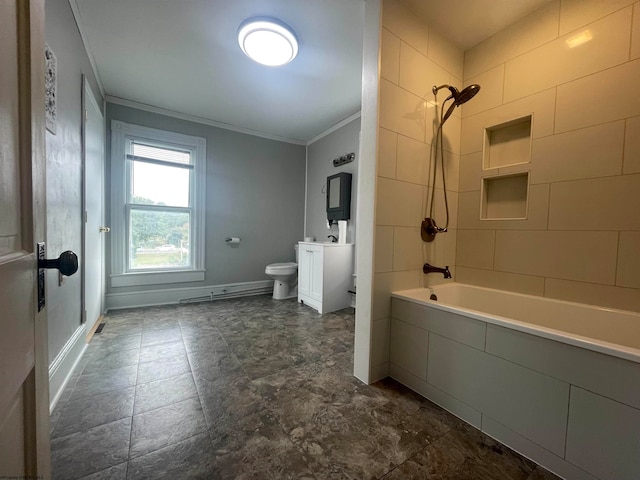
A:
x: 315, y: 286
x: 304, y: 271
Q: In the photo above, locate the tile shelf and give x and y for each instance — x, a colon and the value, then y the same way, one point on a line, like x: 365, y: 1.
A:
x: 508, y: 143
x: 505, y: 196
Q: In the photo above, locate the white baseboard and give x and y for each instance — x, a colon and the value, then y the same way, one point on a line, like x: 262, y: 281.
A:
x: 64, y: 364
x: 114, y: 301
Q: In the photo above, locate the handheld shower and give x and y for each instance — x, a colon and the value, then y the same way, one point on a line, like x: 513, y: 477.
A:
x: 429, y: 227
x: 459, y: 97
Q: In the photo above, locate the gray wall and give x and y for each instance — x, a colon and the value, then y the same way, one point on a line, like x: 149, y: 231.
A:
x: 255, y: 191
x: 64, y: 170
x: 320, y: 155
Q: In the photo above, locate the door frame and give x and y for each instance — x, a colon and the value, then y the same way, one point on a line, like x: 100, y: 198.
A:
x: 91, y: 97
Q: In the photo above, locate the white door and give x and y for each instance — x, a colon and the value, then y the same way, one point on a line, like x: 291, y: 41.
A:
x: 94, y: 231
x: 24, y: 380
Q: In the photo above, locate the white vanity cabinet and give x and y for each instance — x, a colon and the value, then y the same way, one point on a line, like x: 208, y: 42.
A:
x: 325, y: 275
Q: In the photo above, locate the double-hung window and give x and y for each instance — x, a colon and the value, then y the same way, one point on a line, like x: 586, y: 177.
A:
x: 157, y: 206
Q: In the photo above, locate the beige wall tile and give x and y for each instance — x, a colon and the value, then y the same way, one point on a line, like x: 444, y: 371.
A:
x: 582, y: 256
x: 451, y: 134
x: 380, y: 341
x: 450, y: 243
x: 632, y: 145
x: 538, y: 208
x: 439, y: 208
x: 451, y: 172
x: 413, y: 160
x: 390, y: 57
x: 609, y: 203
x: 542, y: 105
x: 407, y: 249
x: 445, y: 54
x: 405, y: 24
x: 575, y: 14
x: 442, y: 251
x: 532, y: 31
x: 475, y: 248
x: 399, y: 203
x: 629, y: 260
x: 592, y: 294
x: 500, y: 280
x: 385, y: 283
x: 470, y: 170
x: 402, y: 111
x: 585, y: 153
x: 490, y: 95
x: 582, y: 103
x: 418, y: 74
x: 387, y: 148
x: 469, y: 210
x: 635, y: 34
x: 384, y: 249
x: 555, y: 63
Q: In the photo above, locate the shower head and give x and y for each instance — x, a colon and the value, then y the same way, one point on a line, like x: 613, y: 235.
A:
x: 459, y: 97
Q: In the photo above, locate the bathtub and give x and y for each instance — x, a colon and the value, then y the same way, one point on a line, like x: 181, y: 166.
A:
x: 557, y: 381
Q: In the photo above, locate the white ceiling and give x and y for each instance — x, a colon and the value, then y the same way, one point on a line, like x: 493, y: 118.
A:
x: 183, y: 56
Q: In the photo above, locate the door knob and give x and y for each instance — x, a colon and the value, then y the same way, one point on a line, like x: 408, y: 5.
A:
x: 104, y: 229
x: 67, y: 263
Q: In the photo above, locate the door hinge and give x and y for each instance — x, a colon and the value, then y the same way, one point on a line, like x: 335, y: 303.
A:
x: 84, y: 317
x: 85, y: 216
x: 86, y: 115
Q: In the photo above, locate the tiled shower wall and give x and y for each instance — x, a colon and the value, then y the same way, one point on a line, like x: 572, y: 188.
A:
x: 581, y: 238
x: 414, y: 58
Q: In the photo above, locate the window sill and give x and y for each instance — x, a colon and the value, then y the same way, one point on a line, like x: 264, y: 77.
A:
x: 155, y: 278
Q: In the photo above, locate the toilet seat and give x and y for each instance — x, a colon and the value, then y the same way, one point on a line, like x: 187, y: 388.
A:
x: 286, y: 268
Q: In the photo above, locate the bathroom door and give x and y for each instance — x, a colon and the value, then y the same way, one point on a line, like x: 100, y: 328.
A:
x: 24, y: 379
x: 94, y: 228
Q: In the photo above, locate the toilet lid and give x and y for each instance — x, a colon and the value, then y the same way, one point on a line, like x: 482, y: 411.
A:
x: 282, y: 266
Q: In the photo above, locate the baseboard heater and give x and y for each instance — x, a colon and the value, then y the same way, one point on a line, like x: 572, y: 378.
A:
x: 225, y: 293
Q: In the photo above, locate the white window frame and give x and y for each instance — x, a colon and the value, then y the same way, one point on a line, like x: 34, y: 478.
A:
x: 121, y: 134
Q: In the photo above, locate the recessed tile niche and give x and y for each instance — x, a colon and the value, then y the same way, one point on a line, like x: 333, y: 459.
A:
x: 507, y: 144
x: 504, y: 195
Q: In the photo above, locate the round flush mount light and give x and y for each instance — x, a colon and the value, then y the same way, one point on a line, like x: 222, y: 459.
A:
x: 267, y: 41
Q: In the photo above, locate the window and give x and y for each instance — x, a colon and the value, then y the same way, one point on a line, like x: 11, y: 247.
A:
x: 157, y: 206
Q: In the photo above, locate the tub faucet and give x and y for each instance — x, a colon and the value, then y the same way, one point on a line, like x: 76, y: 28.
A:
x: 426, y: 268
x: 333, y: 238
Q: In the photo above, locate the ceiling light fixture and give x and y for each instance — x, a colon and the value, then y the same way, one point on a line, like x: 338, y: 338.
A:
x: 267, y: 41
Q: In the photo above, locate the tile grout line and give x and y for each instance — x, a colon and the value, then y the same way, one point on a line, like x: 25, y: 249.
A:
x: 135, y: 394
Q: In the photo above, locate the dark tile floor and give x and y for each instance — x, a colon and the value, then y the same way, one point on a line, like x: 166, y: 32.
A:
x: 253, y: 388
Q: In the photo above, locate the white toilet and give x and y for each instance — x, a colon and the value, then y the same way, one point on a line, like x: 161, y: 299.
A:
x: 285, y: 276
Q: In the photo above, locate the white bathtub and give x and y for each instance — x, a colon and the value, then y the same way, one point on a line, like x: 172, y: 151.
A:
x: 557, y: 381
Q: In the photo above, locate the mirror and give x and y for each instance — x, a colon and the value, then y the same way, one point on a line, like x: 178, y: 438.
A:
x: 339, y: 197
x: 334, y: 192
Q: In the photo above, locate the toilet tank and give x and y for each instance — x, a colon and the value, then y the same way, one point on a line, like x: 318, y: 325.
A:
x: 296, y: 249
